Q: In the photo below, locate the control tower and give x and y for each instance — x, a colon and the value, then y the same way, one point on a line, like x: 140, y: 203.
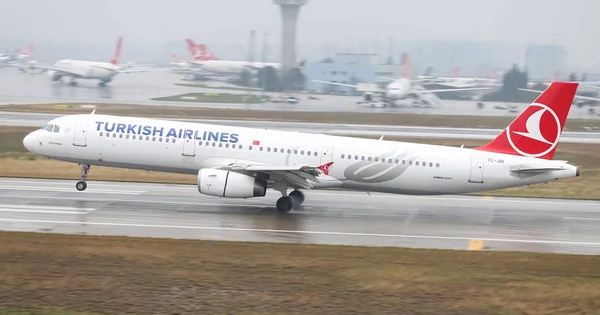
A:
x: 289, y: 19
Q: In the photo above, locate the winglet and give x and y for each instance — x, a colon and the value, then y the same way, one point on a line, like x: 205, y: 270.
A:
x: 536, y: 131
x: 325, y: 168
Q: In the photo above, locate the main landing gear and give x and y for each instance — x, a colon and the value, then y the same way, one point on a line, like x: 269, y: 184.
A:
x: 82, y: 185
x: 286, y: 203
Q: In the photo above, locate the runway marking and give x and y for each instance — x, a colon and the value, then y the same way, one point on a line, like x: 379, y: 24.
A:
x: 582, y: 218
x: 190, y: 227
x: 29, y: 188
x: 42, y: 211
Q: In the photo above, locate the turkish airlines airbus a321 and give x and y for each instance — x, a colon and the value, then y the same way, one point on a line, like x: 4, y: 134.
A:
x: 238, y: 162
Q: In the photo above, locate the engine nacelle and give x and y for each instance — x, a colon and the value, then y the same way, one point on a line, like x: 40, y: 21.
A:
x: 228, y: 184
x: 54, y: 75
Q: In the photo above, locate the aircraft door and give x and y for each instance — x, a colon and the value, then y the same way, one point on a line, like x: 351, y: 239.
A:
x: 189, y: 147
x: 476, y: 169
x: 326, y: 155
x: 80, y: 136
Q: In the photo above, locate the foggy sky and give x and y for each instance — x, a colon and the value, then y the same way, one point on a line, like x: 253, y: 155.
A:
x: 571, y: 23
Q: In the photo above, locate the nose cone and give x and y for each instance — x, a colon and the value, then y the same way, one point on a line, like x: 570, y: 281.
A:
x: 29, y: 141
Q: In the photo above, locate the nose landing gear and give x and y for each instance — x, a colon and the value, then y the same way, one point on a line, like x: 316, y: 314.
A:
x: 82, y: 185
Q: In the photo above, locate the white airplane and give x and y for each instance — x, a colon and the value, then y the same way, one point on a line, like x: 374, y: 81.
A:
x: 235, y: 162
x: 90, y: 70
x: 206, y: 61
x: 403, y: 89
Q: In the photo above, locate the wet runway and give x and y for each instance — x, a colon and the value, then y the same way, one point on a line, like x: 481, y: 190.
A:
x: 327, y: 217
x: 38, y: 120
x: 139, y: 88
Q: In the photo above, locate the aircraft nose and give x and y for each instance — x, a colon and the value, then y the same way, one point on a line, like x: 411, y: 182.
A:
x: 29, y: 141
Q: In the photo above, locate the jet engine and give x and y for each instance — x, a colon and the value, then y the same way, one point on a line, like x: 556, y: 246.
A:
x: 54, y: 75
x: 228, y: 184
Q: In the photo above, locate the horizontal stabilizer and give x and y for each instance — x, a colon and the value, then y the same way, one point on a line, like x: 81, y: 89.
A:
x: 529, y: 169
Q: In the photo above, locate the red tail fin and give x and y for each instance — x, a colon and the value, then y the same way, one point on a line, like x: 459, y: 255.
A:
x: 192, y: 48
x: 115, y: 58
x: 535, y: 133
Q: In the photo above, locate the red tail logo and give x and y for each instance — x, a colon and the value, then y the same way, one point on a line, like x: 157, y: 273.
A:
x: 115, y: 58
x: 325, y: 168
x: 536, y: 132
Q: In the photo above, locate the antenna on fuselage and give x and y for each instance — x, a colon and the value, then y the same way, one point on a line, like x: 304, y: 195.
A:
x: 462, y: 146
x: 93, y: 112
x: 381, y: 138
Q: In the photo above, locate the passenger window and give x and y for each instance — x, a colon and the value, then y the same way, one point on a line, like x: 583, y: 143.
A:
x: 295, y: 151
x: 397, y: 161
x: 249, y: 147
x: 275, y: 150
x: 261, y: 148
x: 220, y: 145
x: 173, y: 140
x: 160, y: 139
x: 437, y: 165
x: 410, y: 162
x: 214, y: 144
x: 302, y: 152
x: 127, y: 136
x: 101, y: 134
x: 356, y: 157
x: 417, y: 163
x: 430, y: 164
x: 153, y: 138
x: 269, y: 149
x: 107, y: 134
x: 133, y: 137
x: 343, y: 156
x: 315, y: 153
x: 362, y: 158
x: 120, y: 135
x: 114, y: 135
x: 227, y: 145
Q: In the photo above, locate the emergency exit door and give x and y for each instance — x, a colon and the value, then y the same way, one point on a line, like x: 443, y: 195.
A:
x: 189, y: 147
x: 326, y: 155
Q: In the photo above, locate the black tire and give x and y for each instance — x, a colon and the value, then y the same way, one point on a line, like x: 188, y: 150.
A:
x: 284, y: 204
x: 81, y: 185
x: 297, y: 197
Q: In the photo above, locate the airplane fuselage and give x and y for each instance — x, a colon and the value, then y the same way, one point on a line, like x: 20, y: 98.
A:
x: 82, y: 69
x: 232, y: 66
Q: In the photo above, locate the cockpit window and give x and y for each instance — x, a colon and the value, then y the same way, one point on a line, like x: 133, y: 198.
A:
x: 51, y: 128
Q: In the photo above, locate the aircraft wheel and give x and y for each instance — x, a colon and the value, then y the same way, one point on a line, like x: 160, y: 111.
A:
x: 297, y: 197
x: 81, y: 185
x: 284, y: 204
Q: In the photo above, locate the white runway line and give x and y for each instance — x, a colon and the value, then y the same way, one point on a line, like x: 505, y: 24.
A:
x: 431, y: 237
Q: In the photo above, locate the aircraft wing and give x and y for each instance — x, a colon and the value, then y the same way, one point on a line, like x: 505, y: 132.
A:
x: 132, y: 70
x: 71, y: 73
x: 449, y: 90
x: 375, y: 89
x: 298, y: 176
x: 576, y: 96
x: 336, y: 83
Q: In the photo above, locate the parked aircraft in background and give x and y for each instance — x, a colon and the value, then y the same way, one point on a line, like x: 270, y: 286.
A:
x: 90, y: 70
